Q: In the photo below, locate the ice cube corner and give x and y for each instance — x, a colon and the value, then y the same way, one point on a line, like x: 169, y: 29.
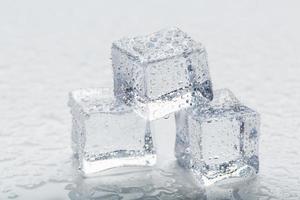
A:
x: 218, y: 140
x: 159, y: 73
x: 107, y: 134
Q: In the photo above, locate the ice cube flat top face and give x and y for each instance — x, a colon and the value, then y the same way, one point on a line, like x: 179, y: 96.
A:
x: 224, y: 104
x: 237, y: 111
x: 158, y: 46
x: 223, y: 99
x: 95, y: 100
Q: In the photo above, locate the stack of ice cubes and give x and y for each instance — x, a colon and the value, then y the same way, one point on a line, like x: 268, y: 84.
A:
x: 156, y: 75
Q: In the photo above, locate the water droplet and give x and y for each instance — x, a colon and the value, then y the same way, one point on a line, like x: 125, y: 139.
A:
x: 153, y: 39
x: 167, y: 116
x: 150, y: 45
x: 12, y: 196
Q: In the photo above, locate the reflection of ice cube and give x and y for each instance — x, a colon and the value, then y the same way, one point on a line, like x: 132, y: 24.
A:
x: 159, y: 72
x: 172, y: 183
x: 218, y: 140
x: 107, y: 134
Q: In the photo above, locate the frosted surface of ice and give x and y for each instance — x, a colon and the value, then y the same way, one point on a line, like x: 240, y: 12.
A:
x: 218, y: 141
x: 158, y: 73
x: 107, y: 134
x: 160, y: 45
x: 48, y: 48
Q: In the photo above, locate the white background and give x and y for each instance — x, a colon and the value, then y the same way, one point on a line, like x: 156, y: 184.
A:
x: 48, y: 48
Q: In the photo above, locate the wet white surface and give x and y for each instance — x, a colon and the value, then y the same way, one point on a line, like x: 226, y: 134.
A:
x: 49, y: 48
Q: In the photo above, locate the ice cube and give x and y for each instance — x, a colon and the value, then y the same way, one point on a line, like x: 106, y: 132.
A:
x: 107, y: 134
x: 218, y: 140
x: 159, y: 72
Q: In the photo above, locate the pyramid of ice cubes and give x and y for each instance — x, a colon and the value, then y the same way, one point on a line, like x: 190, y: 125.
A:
x: 156, y: 75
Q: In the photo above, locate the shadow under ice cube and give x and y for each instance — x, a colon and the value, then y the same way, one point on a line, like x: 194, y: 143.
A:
x: 107, y: 134
x: 218, y: 140
x: 160, y: 72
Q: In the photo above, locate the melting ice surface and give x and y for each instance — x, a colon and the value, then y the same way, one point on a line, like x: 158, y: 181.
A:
x: 47, y: 49
x: 218, y: 140
x: 107, y: 134
x: 172, y: 182
x: 158, y: 73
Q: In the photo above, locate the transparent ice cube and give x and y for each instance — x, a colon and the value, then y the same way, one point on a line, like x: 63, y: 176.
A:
x: 158, y: 73
x: 106, y: 134
x: 218, y: 140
